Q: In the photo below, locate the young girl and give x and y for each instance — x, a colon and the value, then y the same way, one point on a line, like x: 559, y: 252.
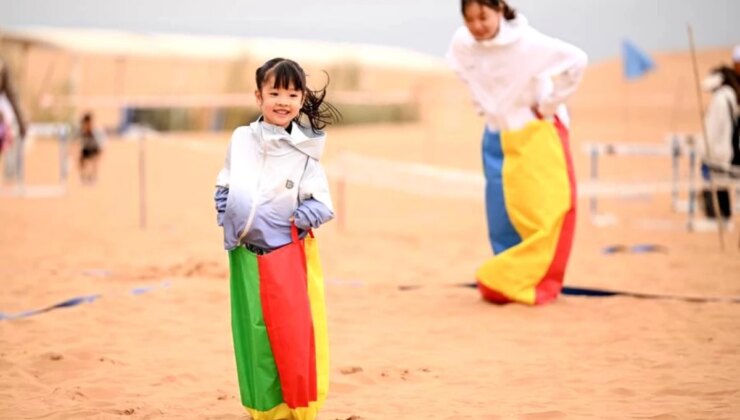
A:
x: 519, y: 79
x: 272, y: 186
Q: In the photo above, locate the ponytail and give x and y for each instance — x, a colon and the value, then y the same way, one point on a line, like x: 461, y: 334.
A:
x: 497, y: 5
x: 319, y: 113
x: 509, y: 13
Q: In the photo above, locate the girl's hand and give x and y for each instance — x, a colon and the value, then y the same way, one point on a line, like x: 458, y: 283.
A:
x: 536, y: 111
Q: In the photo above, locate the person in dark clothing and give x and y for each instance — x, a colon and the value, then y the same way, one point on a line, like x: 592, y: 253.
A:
x: 90, y: 150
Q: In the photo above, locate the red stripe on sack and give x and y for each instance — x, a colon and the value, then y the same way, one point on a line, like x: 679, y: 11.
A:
x: 549, y: 287
x: 287, y: 314
x: 492, y: 295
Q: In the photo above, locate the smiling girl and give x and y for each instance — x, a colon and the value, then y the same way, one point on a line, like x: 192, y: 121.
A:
x: 272, y: 176
x: 270, y: 194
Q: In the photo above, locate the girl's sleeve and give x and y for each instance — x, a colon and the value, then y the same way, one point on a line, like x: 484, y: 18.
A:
x: 564, y: 65
x: 222, y: 179
x: 454, y: 58
x: 222, y: 188
x: 220, y: 197
x: 315, y: 206
x: 311, y: 214
x: 454, y: 53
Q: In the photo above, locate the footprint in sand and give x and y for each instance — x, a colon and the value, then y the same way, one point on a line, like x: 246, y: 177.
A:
x: 404, y: 373
x: 350, y: 370
x: 222, y: 395
x: 126, y: 412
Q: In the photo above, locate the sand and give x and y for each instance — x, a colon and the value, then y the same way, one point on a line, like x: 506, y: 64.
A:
x: 429, y: 351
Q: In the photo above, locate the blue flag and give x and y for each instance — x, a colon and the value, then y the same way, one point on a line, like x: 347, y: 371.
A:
x: 635, y: 61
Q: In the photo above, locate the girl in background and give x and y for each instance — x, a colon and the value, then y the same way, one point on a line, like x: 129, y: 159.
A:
x: 519, y: 79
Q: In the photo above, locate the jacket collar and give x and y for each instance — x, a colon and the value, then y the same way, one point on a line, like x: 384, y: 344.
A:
x: 302, y: 138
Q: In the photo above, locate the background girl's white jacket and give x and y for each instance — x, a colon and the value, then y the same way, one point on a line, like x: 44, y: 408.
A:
x: 515, y: 70
x: 268, y: 171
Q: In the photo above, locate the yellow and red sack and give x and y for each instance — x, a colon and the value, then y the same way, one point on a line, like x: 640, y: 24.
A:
x: 279, y: 328
x: 531, y: 209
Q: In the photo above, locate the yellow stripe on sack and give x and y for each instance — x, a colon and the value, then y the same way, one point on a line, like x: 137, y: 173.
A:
x: 537, y: 196
x: 318, y: 313
x: 283, y: 412
x: 315, y: 277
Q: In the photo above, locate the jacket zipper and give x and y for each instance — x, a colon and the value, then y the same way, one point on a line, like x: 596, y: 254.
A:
x: 255, y: 194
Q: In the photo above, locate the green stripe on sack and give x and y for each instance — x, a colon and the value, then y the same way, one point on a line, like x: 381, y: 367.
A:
x: 259, y: 383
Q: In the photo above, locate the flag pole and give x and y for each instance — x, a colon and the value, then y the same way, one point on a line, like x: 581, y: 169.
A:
x: 712, y: 185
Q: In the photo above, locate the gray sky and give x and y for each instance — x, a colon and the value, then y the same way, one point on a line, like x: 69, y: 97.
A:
x: 597, y: 26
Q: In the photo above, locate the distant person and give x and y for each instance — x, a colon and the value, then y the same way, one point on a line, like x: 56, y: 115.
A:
x: 519, y: 79
x: 14, y: 121
x: 722, y: 120
x: 271, y: 192
x: 91, y: 147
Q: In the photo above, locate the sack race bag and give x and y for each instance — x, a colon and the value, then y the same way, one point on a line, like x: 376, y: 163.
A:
x: 531, y: 209
x: 278, y: 322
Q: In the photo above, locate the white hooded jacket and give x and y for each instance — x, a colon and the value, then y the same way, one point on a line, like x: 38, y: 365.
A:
x: 268, y: 172
x: 513, y: 71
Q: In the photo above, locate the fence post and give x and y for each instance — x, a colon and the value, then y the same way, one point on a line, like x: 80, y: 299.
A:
x: 594, y: 178
x: 692, y: 187
x: 675, y: 157
x: 63, y: 134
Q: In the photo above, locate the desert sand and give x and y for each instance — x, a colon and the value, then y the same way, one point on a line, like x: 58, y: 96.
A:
x: 430, y: 351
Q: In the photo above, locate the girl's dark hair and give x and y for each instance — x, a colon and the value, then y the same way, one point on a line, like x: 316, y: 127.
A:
x: 288, y: 73
x: 497, y: 5
x: 730, y: 78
